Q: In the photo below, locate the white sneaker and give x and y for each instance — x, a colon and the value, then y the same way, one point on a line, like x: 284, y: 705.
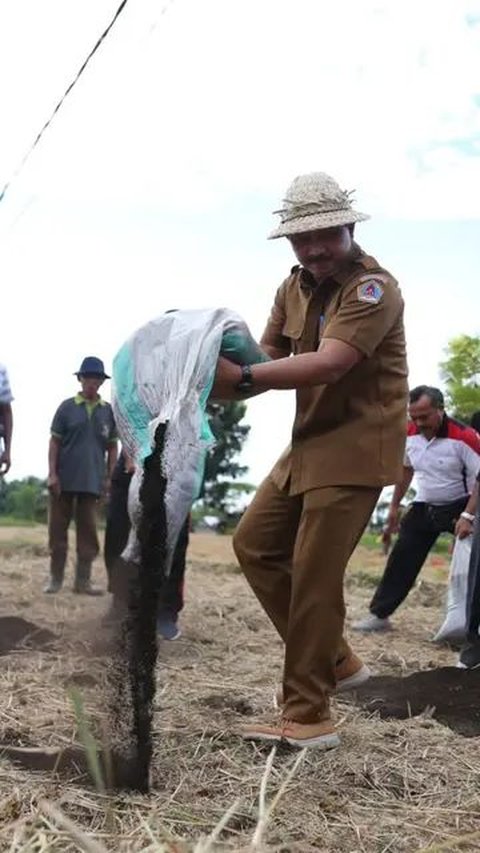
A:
x: 372, y: 623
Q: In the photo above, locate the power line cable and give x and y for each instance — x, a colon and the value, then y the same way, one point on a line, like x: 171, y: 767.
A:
x: 62, y: 99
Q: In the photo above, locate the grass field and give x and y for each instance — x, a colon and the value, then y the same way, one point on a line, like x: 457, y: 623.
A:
x: 393, y: 785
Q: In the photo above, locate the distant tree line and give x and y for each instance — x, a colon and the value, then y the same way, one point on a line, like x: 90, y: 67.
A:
x: 26, y: 499
x: 460, y: 372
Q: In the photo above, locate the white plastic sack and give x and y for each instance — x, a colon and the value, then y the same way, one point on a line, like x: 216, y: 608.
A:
x: 164, y: 374
x: 454, y: 626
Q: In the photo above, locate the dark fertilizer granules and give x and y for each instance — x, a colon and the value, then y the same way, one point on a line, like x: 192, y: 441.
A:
x: 131, y: 676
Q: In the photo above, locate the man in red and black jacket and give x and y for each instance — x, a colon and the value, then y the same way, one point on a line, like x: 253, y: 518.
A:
x: 444, y: 456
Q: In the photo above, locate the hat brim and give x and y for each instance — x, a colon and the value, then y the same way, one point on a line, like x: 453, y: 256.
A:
x: 91, y: 373
x: 317, y: 222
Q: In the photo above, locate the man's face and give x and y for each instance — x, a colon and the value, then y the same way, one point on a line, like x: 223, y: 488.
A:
x: 426, y: 416
x: 90, y: 385
x: 323, y: 251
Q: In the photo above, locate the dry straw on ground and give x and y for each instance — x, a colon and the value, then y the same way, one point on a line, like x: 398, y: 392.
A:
x: 393, y: 786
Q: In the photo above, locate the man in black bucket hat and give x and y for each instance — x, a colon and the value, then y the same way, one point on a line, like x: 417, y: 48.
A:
x: 83, y: 438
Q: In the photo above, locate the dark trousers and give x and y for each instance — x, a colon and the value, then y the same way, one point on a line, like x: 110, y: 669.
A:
x: 473, y: 590
x: 62, y: 508
x: 419, y: 530
x: 116, y: 537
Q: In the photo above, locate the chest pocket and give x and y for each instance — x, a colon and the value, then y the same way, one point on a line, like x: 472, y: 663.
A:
x: 307, y: 315
x: 297, y: 300
x: 292, y: 329
x: 294, y: 324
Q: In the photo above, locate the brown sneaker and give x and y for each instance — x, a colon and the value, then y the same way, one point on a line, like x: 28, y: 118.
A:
x: 350, y: 673
x: 321, y: 735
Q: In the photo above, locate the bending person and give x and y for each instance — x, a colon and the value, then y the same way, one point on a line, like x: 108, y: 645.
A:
x: 116, y: 536
x: 444, y: 456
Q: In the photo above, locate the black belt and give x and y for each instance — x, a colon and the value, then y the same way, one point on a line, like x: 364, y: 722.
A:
x: 444, y: 516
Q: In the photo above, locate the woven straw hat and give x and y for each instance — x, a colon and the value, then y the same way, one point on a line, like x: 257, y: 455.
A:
x: 312, y: 202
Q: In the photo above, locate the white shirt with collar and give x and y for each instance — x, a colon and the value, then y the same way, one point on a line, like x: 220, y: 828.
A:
x: 445, y: 466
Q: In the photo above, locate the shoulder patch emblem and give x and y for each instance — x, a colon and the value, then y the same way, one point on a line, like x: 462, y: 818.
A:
x: 370, y: 291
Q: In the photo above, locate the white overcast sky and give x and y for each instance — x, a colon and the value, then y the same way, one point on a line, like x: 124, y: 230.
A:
x: 154, y: 187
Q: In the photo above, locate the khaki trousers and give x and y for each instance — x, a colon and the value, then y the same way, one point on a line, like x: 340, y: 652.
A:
x: 62, y: 508
x: 293, y: 552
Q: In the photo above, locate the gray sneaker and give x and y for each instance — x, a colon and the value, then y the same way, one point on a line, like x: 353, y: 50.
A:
x: 168, y: 628
x: 372, y: 623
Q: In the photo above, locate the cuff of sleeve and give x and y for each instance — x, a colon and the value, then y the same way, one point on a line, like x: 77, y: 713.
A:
x: 364, y: 349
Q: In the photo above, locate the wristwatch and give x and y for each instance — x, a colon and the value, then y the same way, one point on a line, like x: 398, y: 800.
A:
x: 246, y: 382
x: 467, y: 516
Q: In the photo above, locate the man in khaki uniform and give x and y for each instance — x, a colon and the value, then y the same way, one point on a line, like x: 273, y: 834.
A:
x: 341, y: 316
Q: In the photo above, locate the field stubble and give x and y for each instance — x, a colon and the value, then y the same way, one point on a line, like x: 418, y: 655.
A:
x: 394, y: 785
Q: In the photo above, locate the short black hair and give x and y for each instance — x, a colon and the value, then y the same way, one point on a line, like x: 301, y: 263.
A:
x: 475, y: 421
x: 434, y: 395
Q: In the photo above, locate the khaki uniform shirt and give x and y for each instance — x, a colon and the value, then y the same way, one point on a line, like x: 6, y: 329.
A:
x: 351, y: 432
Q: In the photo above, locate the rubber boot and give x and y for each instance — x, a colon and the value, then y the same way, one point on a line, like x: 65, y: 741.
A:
x: 83, y: 584
x: 53, y: 586
x: 55, y: 582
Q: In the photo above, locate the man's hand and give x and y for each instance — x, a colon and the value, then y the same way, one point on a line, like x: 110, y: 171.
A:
x: 5, y: 462
x: 393, y: 520
x: 227, y: 372
x: 227, y: 376
x: 463, y: 528
x: 391, y: 527
x: 53, y: 485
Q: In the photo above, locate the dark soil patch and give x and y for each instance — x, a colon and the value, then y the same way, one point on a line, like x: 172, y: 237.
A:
x: 18, y: 633
x: 448, y: 694
x: 70, y: 761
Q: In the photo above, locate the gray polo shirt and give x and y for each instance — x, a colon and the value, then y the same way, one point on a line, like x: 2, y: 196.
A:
x: 85, y: 431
